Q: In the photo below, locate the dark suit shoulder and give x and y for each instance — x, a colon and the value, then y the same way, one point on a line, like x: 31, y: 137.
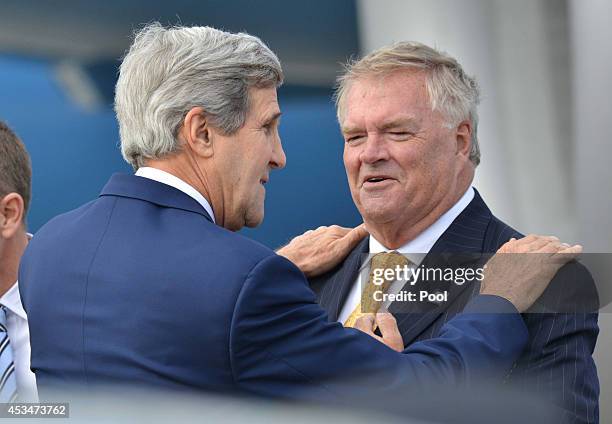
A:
x: 571, y: 290
x: 148, y: 221
x: 164, y: 244
x: 498, y: 233
x: 58, y: 222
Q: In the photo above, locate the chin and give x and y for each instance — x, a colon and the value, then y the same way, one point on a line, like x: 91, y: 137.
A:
x: 378, y: 214
x: 253, y: 220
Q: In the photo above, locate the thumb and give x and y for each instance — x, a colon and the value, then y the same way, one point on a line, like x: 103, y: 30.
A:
x: 365, y: 323
x: 389, y: 330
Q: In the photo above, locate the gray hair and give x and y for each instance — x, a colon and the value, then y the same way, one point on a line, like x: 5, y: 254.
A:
x: 450, y: 89
x: 167, y: 72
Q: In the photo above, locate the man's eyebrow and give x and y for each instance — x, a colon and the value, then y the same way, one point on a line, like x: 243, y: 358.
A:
x: 399, y: 122
x: 272, y: 118
x: 394, y: 123
x: 350, y: 130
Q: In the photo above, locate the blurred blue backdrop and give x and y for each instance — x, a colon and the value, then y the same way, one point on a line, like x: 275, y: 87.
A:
x: 74, y: 150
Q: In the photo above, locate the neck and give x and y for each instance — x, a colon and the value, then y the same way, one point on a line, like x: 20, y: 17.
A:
x: 11, y: 251
x: 183, y: 166
x: 396, y: 233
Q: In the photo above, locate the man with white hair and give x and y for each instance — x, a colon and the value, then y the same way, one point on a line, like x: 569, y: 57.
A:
x: 149, y: 284
x: 408, y: 115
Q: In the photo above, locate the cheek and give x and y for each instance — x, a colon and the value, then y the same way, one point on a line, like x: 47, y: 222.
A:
x: 431, y: 174
x: 351, y: 165
x: 441, y: 162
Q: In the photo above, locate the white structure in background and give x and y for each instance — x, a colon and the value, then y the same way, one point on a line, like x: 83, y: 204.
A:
x: 525, y: 144
x: 544, y: 67
x: 591, y: 45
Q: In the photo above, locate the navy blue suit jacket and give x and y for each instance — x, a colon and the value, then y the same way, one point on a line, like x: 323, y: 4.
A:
x: 557, y: 362
x: 140, y: 286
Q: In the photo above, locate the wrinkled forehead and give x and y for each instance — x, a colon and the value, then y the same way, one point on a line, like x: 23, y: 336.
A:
x: 263, y: 102
x: 382, y: 97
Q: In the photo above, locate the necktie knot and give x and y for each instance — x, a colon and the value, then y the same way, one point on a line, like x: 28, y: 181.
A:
x: 381, y: 262
x: 383, y: 271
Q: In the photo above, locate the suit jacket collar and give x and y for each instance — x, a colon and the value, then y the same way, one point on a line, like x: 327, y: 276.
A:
x: 132, y: 186
x: 461, y: 244
x: 467, y: 232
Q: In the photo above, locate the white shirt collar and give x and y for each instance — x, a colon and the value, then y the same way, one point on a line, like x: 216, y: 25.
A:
x: 12, y: 301
x: 173, y: 181
x: 417, y: 248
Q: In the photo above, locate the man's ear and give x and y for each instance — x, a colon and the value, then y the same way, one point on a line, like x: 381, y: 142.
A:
x: 11, y: 214
x: 196, y: 132
x: 463, y: 135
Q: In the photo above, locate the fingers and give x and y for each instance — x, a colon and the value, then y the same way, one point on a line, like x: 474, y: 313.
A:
x: 551, y: 247
x: 354, y: 236
x: 561, y: 252
x: 390, y: 333
x: 365, y: 323
x: 358, y: 232
x: 361, y: 231
x: 567, y: 254
x: 539, y: 243
x: 510, y: 245
x: 533, y: 243
x: 529, y: 238
x: 336, y: 230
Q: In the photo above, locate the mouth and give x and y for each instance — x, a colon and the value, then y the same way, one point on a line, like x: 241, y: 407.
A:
x: 376, y: 180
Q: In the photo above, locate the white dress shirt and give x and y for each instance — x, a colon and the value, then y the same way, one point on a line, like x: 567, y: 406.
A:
x: 19, y: 337
x: 173, y: 181
x: 415, y: 250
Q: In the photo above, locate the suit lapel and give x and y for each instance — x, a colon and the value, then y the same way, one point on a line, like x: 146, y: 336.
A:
x: 335, y: 291
x: 460, y: 245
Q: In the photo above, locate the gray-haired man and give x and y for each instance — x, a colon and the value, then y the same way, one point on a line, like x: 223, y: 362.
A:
x: 149, y: 284
x: 408, y: 114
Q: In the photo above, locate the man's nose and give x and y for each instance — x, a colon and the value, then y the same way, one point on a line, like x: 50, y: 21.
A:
x: 279, y: 160
x: 374, y: 149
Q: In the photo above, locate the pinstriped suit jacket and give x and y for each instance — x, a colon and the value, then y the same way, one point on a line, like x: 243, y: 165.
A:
x: 557, y: 364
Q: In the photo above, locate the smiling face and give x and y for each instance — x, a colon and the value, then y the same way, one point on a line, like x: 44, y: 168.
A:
x: 402, y: 160
x: 245, y: 158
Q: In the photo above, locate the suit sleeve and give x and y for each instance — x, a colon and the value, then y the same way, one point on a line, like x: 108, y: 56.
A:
x: 282, y: 345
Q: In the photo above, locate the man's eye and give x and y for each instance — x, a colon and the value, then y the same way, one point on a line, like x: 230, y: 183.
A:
x: 354, y: 138
x: 399, y: 134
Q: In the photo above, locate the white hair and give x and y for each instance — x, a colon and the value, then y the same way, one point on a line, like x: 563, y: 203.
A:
x: 450, y: 89
x: 167, y: 72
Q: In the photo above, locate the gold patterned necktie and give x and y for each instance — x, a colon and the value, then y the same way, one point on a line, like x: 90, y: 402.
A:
x: 368, y: 304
